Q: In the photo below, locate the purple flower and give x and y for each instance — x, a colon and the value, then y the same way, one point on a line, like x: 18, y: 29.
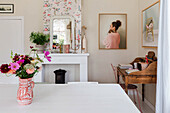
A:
x: 20, y: 62
x: 46, y: 53
x: 4, y: 68
x: 26, y: 61
x: 14, y: 66
x: 31, y: 47
x: 16, y: 58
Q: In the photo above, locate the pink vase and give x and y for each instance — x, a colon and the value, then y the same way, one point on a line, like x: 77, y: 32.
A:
x: 25, y: 91
x: 66, y: 48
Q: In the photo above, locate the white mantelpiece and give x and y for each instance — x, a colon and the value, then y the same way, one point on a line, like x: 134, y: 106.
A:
x: 66, y: 59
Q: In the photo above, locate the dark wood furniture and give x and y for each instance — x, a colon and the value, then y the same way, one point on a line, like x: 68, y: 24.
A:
x: 146, y: 76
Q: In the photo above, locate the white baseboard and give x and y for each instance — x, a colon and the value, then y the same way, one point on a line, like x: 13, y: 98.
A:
x: 147, y: 102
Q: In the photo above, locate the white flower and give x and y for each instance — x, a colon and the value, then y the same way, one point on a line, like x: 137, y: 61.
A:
x: 36, y: 63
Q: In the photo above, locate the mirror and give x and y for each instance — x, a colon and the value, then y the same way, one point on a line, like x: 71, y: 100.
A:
x: 62, y: 32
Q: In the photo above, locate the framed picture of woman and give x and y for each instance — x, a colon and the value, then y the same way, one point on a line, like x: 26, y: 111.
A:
x: 150, y: 26
x: 112, y: 31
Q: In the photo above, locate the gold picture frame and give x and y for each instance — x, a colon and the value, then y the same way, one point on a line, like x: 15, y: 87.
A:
x: 102, y: 29
x: 150, y: 26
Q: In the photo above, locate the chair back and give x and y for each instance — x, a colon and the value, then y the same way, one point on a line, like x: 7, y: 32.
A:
x: 82, y: 83
x: 114, y: 68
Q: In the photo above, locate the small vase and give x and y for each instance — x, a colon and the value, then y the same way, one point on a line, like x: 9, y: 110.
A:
x: 61, y: 48
x: 66, y: 48
x: 40, y: 48
x: 25, y: 91
x: 84, y: 42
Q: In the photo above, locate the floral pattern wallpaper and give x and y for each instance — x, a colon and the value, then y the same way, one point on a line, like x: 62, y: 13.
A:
x: 63, y: 7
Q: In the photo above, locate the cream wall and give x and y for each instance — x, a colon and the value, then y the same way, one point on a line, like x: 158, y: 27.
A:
x: 32, y: 10
x: 100, y: 60
x: 150, y: 89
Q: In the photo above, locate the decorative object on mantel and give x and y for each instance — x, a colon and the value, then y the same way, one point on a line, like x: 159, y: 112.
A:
x: 6, y: 8
x: 40, y: 40
x: 75, y: 43
x: 61, y: 42
x: 25, y: 67
x: 84, y: 40
x: 66, y: 48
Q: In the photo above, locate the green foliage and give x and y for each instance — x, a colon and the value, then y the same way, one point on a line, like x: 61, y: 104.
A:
x: 11, y: 54
x: 39, y: 38
x: 61, y: 42
x: 21, y: 73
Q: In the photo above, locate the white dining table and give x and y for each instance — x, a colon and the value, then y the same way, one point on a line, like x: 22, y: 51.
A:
x: 69, y: 98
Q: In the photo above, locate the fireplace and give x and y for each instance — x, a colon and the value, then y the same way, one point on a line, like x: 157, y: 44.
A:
x: 65, y: 59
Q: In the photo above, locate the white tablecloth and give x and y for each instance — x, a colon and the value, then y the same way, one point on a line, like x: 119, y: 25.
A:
x: 73, y: 98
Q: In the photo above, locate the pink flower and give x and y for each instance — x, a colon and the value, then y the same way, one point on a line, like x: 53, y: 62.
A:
x: 46, y: 29
x: 45, y: 5
x: 20, y: 62
x: 46, y: 53
x: 30, y: 71
x: 14, y: 66
x: 12, y: 72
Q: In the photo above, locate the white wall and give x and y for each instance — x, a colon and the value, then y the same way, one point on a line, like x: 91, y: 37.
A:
x: 100, y: 60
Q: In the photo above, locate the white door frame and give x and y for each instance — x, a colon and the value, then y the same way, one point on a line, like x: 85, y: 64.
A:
x: 22, y: 26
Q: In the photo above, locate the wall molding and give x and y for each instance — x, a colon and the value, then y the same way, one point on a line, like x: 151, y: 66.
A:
x: 22, y: 20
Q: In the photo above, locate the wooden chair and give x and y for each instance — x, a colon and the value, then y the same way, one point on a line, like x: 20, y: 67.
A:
x: 130, y: 87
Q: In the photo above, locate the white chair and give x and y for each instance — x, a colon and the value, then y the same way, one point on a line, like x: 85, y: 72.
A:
x: 82, y: 83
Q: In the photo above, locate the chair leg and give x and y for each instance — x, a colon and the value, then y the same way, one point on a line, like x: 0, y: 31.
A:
x: 138, y: 101
x: 134, y: 96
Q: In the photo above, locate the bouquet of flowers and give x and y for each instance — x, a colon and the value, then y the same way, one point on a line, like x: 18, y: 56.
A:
x: 24, y: 66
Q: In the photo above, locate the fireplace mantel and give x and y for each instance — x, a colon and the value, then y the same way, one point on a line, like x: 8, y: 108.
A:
x: 66, y: 59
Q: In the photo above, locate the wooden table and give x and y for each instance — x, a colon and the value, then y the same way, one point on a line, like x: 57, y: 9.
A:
x: 146, y: 76
x: 71, y: 98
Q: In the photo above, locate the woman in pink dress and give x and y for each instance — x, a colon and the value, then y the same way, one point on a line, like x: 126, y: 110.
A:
x: 112, y: 40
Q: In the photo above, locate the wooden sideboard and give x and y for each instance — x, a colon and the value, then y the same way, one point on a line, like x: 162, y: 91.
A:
x: 146, y: 76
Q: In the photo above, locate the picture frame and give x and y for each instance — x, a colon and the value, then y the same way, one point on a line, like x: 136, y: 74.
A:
x: 150, y: 25
x: 6, y: 8
x: 105, y: 20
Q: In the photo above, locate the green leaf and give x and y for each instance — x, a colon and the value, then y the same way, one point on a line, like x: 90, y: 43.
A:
x: 12, y: 54
x: 39, y: 38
